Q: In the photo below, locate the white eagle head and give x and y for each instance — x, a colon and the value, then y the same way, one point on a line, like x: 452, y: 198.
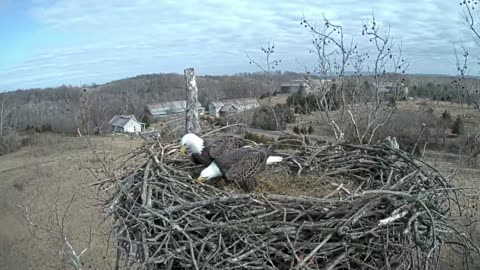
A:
x: 210, y: 172
x: 192, y: 142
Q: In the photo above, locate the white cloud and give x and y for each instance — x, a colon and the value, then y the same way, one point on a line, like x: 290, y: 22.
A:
x: 124, y: 37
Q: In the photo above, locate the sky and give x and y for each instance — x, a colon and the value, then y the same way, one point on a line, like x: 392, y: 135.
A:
x: 47, y: 43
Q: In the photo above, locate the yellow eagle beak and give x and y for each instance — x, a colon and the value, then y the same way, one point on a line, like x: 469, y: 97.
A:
x: 182, y: 150
x: 200, y: 179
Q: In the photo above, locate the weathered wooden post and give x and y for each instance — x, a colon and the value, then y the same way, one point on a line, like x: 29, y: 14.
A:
x: 192, y: 123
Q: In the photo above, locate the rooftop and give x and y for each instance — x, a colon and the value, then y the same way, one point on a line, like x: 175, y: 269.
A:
x: 178, y: 105
x: 121, y: 120
x: 238, y: 102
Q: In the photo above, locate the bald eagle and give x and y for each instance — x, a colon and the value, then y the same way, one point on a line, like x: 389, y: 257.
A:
x: 205, y: 151
x: 240, y: 166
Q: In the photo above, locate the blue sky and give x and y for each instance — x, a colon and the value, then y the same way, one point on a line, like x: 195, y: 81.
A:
x: 50, y: 43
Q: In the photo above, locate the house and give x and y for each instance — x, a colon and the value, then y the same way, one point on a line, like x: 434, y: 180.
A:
x: 385, y: 88
x: 230, y: 106
x: 126, y: 124
x: 310, y: 86
x: 168, y: 108
x: 392, y: 88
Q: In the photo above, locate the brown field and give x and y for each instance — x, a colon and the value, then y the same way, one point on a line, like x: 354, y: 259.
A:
x: 57, y: 166
x: 60, y: 165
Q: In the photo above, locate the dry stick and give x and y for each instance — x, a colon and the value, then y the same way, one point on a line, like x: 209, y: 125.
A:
x: 145, y: 183
x: 276, y: 218
x: 312, y: 253
x: 222, y: 128
x: 316, y: 153
x: 96, y: 183
x: 434, y: 240
x: 418, y: 138
x: 356, y: 127
x: 334, y: 192
x: 336, y: 261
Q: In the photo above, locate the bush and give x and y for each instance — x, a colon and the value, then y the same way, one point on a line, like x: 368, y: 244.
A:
x: 310, y: 130
x: 430, y: 110
x: 308, y: 103
x: 146, y: 121
x: 304, y: 104
x: 273, y: 118
x: 285, y: 112
x: 405, y: 126
x: 9, y: 143
x: 392, y: 101
x: 446, y: 116
x: 220, y: 121
x: 296, y: 130
x: 458, y: 126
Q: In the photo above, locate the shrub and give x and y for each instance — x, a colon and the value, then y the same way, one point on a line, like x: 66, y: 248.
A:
x: 273, y: 118
x: 405, y: 126
x: 458, y: 126
x: 146, y: 121
x: 46, y: 128
x: 310, y: 130
x: 446, y: 116
x: 285, y: 112
x: 430, y: 110
x: 9, y: 143
x: 221, y: 121
x: 391, y: 101
x: 296, y: 130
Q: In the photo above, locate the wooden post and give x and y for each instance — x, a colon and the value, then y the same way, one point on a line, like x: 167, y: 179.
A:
x: 192, y: 123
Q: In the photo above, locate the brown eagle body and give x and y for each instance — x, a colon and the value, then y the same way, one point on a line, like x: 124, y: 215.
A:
x: 241, y: 166
x: 216, y: 148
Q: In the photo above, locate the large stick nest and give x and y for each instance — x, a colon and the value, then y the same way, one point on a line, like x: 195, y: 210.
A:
x: 396, y: 217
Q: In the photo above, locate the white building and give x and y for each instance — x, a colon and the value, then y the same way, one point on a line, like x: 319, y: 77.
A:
x: 229, y: 106
x: 126, y: 124
x: 310, y: 86
x: 168, y: 108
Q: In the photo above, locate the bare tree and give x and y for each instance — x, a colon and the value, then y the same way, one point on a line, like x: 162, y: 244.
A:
x: 50, y: 225
x: 268, y: 66
x: 467, y: 83
x: 336, y: 55
x: 6, y: 108
x: 192, y: 120
x: 101, y: 112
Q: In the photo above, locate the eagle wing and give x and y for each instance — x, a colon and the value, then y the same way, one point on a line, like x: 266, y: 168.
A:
x: 242, y: 165
x: 219, y: 147
x: 201, y: 158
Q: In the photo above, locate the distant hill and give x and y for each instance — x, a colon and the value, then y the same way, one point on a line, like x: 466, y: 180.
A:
x: 60, y: 107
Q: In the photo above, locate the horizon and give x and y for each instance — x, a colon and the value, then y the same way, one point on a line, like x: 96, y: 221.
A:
x: 94, y: 85
x: 75, y: 42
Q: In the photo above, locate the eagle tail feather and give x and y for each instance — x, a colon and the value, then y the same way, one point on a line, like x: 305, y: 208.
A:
x: 274, y: 159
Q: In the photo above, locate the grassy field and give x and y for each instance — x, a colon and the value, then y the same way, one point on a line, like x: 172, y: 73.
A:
x: 59, y: 166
